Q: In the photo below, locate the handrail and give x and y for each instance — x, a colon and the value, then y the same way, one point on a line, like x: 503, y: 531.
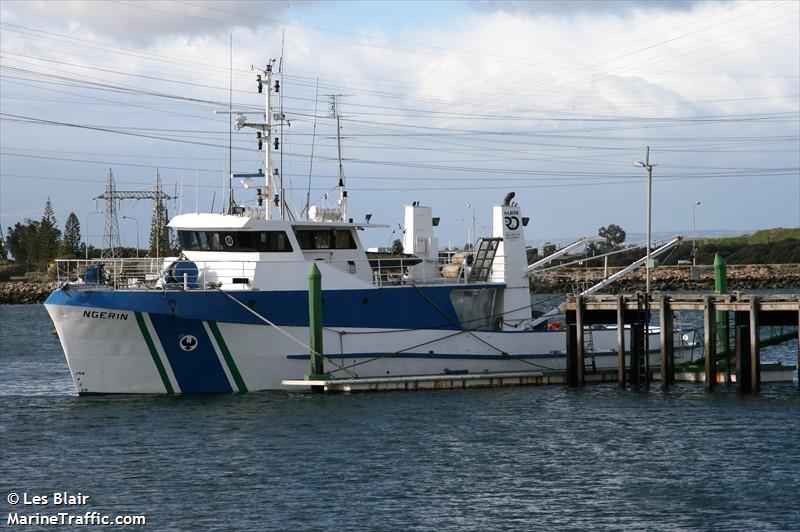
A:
x: 150, y: 273
x: 563, y: 251
x: 611, y: 279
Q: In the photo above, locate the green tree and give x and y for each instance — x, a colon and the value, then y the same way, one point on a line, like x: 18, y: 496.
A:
x: 71, y: 244
x: 613, y: 234
x: 161, y: 239
x: 22, y: 241
x: 3, y: 248
x: 49, y: 237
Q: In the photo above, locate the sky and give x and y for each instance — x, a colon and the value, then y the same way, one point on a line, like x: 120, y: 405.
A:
x: 452, y: 104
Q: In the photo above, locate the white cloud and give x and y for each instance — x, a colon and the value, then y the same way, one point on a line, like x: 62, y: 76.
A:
x: 713, y: 59
x: 571, y: 7
x: 137, y: 21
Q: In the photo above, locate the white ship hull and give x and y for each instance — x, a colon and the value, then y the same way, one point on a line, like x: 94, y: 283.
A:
x: 110, y: 351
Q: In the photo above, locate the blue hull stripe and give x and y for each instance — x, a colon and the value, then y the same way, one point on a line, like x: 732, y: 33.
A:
x: 198, y: 370
x: 381, y: 308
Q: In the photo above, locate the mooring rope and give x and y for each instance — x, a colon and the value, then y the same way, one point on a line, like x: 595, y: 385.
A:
x: 462, y: 330
x: 285, y: 332
x: 346, y: 368
x: 471, y: 333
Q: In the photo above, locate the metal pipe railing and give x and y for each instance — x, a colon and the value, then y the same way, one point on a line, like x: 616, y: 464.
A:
x: 150, y: 273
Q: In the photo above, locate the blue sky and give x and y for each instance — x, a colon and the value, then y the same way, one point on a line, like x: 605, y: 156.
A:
x: 447, y: 103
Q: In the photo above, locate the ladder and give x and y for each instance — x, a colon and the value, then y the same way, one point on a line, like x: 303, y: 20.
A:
x: 642, y: 346
x: 484, y: 258
x: 589, y: 364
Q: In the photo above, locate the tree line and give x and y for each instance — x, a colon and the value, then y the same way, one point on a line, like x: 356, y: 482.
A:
x: 33, y: 244
x: 771, y: 246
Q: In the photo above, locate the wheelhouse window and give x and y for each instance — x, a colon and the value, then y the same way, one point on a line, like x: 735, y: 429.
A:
x: 259, y: 241
x: 325, y: 239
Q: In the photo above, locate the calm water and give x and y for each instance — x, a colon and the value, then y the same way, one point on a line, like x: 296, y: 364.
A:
x: 525, y: 458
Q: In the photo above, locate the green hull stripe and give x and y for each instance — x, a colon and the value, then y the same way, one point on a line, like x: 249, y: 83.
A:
x: 226, y: 354
x: 152, y: 347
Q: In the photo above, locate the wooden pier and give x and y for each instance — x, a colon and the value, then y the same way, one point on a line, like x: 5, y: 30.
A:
x: 750, y: 311
x: 457, y: 381
x: 583, y: 312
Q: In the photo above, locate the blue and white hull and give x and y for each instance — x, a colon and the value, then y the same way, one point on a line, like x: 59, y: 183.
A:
x: 231, y: 314
x: 140, y: 342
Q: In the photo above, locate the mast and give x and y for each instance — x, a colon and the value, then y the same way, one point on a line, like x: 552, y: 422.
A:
x: 342, y: 192
x: 231, y: 203
x: 269, y: 177
x: 280, y: 138
x: 274, y: 191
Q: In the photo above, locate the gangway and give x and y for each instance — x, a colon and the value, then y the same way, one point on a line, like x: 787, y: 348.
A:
x: 484, y: 258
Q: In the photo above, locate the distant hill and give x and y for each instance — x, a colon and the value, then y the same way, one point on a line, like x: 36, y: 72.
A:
x: 765, y: 236
x: 768, y: 246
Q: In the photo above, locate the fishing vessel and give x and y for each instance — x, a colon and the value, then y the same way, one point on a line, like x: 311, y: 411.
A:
x: 230, y: 313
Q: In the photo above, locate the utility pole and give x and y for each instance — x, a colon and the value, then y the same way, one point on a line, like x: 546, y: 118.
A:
x: 112, y: 196
x: 471, y: 240
x: 694, y: 234
x: 649, y: 167
x: 137, y: 232
x: 111, y: 233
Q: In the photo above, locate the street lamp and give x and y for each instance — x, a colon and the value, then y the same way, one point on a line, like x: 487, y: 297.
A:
x: 137, y: 232
x: 86, y: 226
x: 694, y: 232
x: 471, y: 241
x: 649, y: 167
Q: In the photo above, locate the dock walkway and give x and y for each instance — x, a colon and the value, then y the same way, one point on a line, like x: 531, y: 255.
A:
x: 750, y: 312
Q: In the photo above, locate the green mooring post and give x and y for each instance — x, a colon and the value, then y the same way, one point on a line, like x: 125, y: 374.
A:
x: 723, y: 333
x: 315, y: 324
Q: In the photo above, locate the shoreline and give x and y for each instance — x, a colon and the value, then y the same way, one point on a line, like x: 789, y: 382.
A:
x: 665, y: 278
x: 740, y: 277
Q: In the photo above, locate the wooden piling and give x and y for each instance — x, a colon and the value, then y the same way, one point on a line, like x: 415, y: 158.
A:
x: 637, y: 330
x: 579, y: 342
x: 572, y: 354
x: 723, y: 334
x: 748, y: 313
x: 755, y: 351
x: 726, y: 344
x: 647, y: 374
x: 621, y: 341
x: 742, y: 349
x: 671, y: 357
x: 316, y: 351
x: 666, y: 338
x: 710, y: 343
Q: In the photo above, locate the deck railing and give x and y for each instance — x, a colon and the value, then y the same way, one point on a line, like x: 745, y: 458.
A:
x: 152, y: 273
x: 116, y: 273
